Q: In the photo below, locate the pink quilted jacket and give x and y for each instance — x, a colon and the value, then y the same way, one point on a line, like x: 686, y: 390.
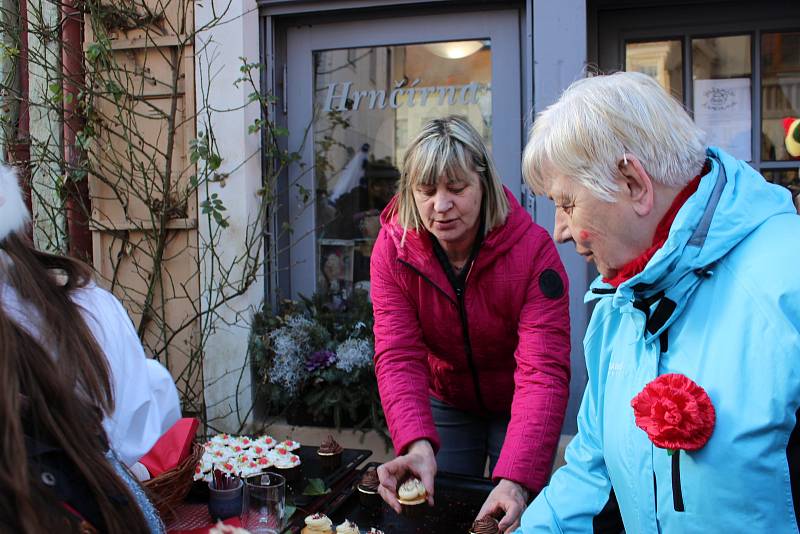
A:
x: 518, y: 321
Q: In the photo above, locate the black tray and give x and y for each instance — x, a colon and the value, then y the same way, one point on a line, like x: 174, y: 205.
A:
x: 458, y: 500
x: 311, y: 468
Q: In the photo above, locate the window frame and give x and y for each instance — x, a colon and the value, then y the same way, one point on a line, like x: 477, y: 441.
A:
x: 756, y: 135
x: 755, y: 31
x: 616, y: 31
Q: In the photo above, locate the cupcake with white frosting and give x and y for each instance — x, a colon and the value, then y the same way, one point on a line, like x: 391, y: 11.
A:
x: 317, y: 524
x: 221, y: 439
x: 412, y: 495
x: 265, y: 441
x: 348, y: 527
x: 202, y: 471
x: 286, y: 462
x: 288, y: 444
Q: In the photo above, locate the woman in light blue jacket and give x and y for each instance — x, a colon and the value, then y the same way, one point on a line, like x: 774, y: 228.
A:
x: 699, y: 259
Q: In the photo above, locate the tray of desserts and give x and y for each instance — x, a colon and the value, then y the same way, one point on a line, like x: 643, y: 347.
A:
x: 246, y: 456
x: 329, y: 470
x: 357, y: 508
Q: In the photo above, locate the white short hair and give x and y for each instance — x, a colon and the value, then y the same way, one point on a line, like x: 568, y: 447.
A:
x: 599, y: 119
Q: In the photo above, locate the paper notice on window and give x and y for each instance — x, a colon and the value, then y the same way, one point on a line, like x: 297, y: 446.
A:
x: 722, y: 109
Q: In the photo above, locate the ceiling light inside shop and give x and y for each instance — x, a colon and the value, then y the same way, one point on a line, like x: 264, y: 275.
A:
x: 455, y: 49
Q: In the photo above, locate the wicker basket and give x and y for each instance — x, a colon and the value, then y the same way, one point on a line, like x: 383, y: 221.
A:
x: 168, y: 489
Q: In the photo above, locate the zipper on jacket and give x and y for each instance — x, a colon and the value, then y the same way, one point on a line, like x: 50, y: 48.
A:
x: 655, y: 495
x: 462, y: 313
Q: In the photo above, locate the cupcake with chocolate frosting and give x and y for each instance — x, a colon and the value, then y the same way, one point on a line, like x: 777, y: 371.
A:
x: 368, y: 489
x: 330, y: 453
x: 485, y: 525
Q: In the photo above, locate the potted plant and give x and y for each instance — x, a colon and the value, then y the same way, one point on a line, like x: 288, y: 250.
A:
x: 313, y: 362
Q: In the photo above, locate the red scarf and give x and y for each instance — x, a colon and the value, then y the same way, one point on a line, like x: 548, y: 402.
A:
x: 634, y: 267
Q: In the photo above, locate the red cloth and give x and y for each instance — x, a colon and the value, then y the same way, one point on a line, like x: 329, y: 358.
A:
x: 232, y: 521
x: 171, y: 448
x: 519, y: 337
x: 631, y: 269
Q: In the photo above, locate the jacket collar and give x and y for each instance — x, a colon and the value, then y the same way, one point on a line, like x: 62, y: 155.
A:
x: 731, y: 201
x: 417, y: 249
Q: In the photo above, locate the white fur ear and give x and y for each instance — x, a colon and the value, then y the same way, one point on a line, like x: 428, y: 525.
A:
x: 13, y: 211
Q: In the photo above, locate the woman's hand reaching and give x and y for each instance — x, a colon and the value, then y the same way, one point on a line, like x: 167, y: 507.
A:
x: 508, y: 499
x: 419, y: 461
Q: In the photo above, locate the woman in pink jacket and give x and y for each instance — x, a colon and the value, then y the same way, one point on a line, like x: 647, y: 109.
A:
x: 471, y: 325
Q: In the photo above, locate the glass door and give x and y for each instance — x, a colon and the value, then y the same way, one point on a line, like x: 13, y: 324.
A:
x: 357, y: 93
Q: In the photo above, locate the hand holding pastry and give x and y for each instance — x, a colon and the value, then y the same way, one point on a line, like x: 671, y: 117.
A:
x: 418, y: 462
x: 507, y: 498
x: 485, y: 525
x: 412, y: 491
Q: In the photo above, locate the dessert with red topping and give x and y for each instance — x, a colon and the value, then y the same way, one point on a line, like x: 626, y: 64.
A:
x: 286, y: 462
x: 317, y: 524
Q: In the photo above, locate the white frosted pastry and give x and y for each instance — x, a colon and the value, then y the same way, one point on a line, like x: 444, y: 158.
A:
x: 317, y: 524
x: 412, y: 491
x: 265, y: 441
x: 289, y: 445
x: 221, y: 439
x: 282, y: 458
x: 348, y: 527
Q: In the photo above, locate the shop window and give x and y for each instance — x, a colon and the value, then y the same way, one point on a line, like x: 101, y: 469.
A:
x: 369, y: 103
x: 719, y: 88
x: 722, y: 88
x: 661, y: 60
x: 780, y: 91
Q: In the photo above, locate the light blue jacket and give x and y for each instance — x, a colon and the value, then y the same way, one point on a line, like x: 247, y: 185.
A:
x: 731, y: 265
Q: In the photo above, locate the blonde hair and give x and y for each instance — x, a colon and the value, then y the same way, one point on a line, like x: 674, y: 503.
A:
x: 449, y: 147
x: 598, y: 120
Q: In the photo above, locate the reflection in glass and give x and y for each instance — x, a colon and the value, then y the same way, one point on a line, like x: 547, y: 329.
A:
x: 660, y: 59
x: 455, y: 49
x: 721, y: 57
x: 780, y: 90
x: 369, y: 103
x: 721, y: 76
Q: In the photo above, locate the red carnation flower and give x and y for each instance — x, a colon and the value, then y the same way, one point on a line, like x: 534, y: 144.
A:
x: 675, y: 412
